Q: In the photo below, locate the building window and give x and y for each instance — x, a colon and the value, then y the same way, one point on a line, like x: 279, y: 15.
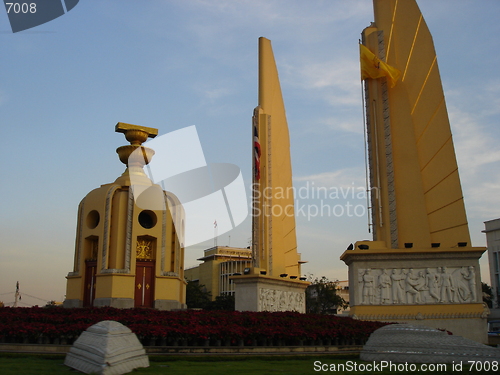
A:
x: 93, y: 219
x: 147, y: 219
x: 228, y: 269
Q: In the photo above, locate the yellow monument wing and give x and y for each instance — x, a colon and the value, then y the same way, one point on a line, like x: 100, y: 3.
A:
x: 416, y: 192
x: 274, y: 237
x: 420, y: 262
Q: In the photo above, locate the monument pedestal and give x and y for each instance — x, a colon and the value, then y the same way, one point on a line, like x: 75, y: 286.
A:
x: 266, y: 293
x: 434, y: 287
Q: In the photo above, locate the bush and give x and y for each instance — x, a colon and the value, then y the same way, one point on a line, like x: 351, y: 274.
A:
x: 187, y: 326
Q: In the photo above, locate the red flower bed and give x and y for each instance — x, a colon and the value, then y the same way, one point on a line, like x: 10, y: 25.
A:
x: 59, y: 325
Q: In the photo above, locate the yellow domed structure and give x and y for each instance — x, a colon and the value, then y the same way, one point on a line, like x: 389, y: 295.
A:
x: 129, y: 248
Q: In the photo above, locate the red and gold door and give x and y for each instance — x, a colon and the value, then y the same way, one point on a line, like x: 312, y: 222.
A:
x: 89, y: 291
x: 144, y: 284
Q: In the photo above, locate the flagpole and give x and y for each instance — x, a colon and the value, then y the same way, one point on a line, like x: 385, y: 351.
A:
x: 367, y: 177
x: 215, y: 233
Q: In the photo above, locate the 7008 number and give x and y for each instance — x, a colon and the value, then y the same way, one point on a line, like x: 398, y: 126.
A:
x: 21, y: 7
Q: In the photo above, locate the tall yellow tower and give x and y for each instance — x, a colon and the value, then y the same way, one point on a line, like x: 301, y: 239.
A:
x: 129, y: 249
x: 420, y: 266
x: 274, y: 282
x: 274, y: 239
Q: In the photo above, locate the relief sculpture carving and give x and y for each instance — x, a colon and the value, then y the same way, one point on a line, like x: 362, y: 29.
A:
x: 417, y: 286
x: 281, y: 300
x: 385, y: 283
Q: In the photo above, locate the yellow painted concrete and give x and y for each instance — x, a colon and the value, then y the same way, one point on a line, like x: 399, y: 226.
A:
x: 428, y: 194
x: 74, y: 289
x: 274, y: 225
x: 402, y: 310
x: 170, y: 288
x: 111, y: 217
x: 416, y: 192
x: 114, y: 286
x: 378, y: 248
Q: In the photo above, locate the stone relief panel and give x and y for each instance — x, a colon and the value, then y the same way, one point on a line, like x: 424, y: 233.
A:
x: 281, y: 300
x: 401, y: 286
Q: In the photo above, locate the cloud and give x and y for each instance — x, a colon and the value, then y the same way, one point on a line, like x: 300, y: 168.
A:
x: 482, y: 200
x: 488, y: 99
x: 336, y: 82
x: 478, y: 155
x: 338, y: 123
x: 296, y: 26
x: 264, y: 11
x: 214, y: 94
x: 476, y: 146
x: 342, y: 178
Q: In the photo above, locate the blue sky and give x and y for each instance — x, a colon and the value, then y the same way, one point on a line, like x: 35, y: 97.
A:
x: 171, y: 64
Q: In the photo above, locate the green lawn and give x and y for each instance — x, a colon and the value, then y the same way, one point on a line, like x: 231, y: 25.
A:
x: 15, y: 364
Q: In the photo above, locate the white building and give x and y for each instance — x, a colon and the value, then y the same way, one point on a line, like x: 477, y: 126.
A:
x: 492, y: 230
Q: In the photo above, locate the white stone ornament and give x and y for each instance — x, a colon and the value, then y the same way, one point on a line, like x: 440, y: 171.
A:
x: 406, y: 343
x: 107, y: 348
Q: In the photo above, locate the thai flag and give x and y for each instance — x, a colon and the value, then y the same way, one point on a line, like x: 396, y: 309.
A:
x: 256, y: 146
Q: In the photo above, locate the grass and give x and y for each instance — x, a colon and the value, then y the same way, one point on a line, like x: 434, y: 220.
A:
x: 14, y: 364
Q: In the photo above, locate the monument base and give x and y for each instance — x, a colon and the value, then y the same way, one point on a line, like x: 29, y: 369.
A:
x: 436, y: 287
x: 72, y: 303
x: 167, y: 304
x: 119, y: 303
x: 265, y: 293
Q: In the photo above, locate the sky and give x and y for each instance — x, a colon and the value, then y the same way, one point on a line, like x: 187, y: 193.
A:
x: 170, y: 64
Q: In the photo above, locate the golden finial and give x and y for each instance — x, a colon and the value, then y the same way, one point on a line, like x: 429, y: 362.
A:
x: 136, y: 135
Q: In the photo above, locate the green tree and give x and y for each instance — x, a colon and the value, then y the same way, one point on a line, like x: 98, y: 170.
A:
x: 322, y: 297
x: 223, y: 302
x: 197, y: 296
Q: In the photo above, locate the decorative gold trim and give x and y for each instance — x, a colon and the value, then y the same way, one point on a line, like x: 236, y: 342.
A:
x: 144, y: 249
